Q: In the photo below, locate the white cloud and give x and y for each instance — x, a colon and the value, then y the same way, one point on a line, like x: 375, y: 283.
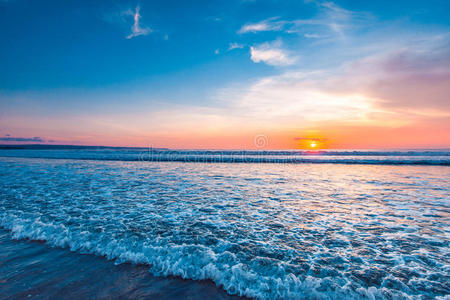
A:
x: 296, y: 98
x: 265, y: 25
x: 311, y: 36
x: 387, y: 89
x: 217, y: 51
x: 330, y: 19
x: 235, y: 46
x: 271, y: 54
x: 136, y: 29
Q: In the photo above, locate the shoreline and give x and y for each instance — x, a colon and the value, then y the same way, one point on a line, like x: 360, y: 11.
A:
x: 33, y: 269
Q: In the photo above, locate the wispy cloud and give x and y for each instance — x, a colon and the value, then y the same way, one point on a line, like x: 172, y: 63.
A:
x: 331, y: 18
x: 136, y: 29
x: 271, y: 24
x: 214, y: 18
x: 271, y: 54
x: 312, y: 36
x: 414, y: 77
x: 298, y: 98
x: 310, y: 139
x: 9, y: 138
x: 235, y: 46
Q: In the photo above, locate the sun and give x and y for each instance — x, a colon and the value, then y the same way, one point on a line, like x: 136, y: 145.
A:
x: 312, y: 143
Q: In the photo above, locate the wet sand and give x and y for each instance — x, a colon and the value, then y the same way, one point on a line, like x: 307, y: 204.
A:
x: 34, y: 270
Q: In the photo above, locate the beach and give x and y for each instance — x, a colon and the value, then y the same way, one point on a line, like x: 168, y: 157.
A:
x: 35, y: 270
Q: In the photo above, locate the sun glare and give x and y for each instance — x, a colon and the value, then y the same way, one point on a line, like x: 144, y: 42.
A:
x: 313, y: 144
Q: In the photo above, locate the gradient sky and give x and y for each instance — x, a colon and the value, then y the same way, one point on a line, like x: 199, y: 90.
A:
x: 217, y: 74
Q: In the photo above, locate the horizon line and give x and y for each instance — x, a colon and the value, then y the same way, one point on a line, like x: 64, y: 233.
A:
x: 49, y: 146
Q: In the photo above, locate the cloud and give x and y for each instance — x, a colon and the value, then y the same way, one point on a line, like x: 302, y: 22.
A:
x: 235, y: 46
x: 270, y: 24
x: 311, y: 36
x: 296, y: 98
x: 217, y: 51
x: 214, y: 18
x: 136, y: 29
x: 309, y: 139
x: 406, y: 85
x: 271, y: 54
x: 414, y: 78
x: 330, y: 19
x: 9, y: 138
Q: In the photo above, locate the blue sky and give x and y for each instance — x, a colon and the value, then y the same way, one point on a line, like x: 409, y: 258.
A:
x: 139, y: 72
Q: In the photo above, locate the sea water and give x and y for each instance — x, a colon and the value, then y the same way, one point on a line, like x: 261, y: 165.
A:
x: 286, y: 228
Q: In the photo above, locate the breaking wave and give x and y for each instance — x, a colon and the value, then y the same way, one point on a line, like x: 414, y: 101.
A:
x: 407, y: 157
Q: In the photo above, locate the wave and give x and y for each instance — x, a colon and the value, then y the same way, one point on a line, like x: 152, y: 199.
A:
x: 410, y: 157
x: 197, y: 262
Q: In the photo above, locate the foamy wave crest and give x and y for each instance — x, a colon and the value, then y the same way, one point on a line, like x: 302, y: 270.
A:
x: 195, y: 262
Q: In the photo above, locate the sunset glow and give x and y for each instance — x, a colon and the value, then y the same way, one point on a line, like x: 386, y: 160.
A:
x: 345, y: 72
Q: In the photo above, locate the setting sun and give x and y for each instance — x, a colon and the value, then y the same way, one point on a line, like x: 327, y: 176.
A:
x: 311, y: 142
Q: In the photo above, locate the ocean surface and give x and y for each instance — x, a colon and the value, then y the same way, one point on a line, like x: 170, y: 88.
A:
x: 224, y: 224
x: 388, y: 157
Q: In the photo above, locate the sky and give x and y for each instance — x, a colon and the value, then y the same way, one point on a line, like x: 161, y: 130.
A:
x: 226, y: 74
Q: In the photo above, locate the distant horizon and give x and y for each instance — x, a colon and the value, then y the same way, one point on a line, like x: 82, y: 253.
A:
x: 3, y: 146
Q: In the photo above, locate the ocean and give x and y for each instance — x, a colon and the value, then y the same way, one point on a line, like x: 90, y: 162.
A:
x: 224, y: 224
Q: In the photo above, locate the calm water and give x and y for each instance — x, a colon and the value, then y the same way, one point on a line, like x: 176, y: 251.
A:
x: 268, y: 231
